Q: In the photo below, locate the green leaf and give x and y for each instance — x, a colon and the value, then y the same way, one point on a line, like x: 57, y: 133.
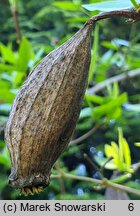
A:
x: 3, y: 181
x: 121, y: 150
x: 137, y: 144
x: 116, y: 156
x: 94, y: 54
x: 113, y: 151
x: 111, y: 106
x: 4, y: 158
x: 25, y: 55
x: 6, y: 96
x: 109, y: 5
x: 115, y: 91
x: 17, y: 79
x: 115, y: 147
x: 115, y: 114
x: 67, y: 5
x: 109, y: 45
x: 2, y: 144
x: 95, y: 1
x: 86, y: 124
x: 76, y: 19
x: 4, y: 84
x: 7, y: 54
x: 7, y: 68
x: 121, y: 154
x: 95, y: 99
x: 108, y: 150
x: 126, y: 152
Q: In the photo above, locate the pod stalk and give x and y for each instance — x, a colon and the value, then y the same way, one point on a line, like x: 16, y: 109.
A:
x: 132, y: 14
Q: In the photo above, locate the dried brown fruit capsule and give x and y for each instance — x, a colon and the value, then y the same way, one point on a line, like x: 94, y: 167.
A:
x: 45, y: 111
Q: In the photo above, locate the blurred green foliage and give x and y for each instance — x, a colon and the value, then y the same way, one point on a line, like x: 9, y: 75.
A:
x: 44, y: 25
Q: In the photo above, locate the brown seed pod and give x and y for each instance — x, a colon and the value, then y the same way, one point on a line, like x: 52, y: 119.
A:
x: 45, y: 111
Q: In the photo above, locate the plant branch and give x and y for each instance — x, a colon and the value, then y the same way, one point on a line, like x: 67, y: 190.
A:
x: 133, y: 14
x: 114, y: 79
x: 123, y: 188
x: 106, y: 183
x: 62, y: 185
x: 80, y: 178
x: 136, y: 166
x: 93, y: 165
x: 16, y: 21
x: 85, y: 136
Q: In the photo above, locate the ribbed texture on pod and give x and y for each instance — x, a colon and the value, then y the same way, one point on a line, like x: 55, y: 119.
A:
x: 45, y: 111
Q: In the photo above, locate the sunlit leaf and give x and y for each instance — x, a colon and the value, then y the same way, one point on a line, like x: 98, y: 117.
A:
x: 25, y: 55
x: 121, y: 149
x: 6, y: 96
x: 95, y: 98
x: 120, y: 153
x: 109, y: 45
x: 109, y: 5
x: 137, y: 144
x: 6, y: 67
x: 110, y: 106
x: 115, y: 147
x: 126, y: 152
x: 7, y: 54
x: 108, y: 150
x: 115, y: 155
x: 67, y: 5
x: 115, y: 114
